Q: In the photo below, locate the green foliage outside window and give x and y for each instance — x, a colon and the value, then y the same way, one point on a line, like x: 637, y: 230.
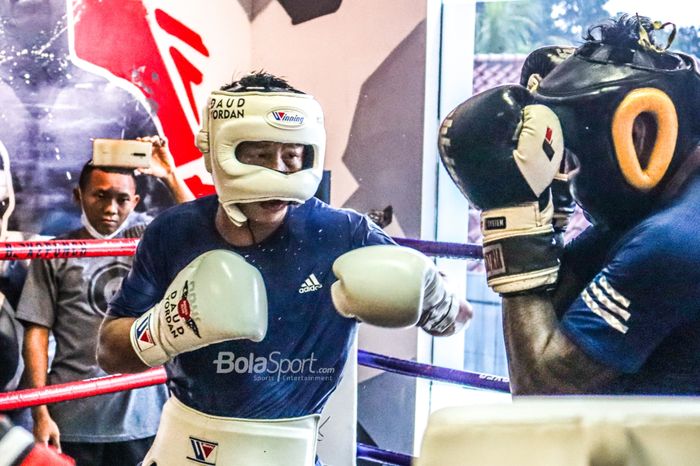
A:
x: 519, y: 27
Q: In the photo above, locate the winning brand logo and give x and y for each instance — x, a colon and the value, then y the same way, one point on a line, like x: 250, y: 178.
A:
x: 286, y: 118
x: 310, y: 284
x: 203, y: 451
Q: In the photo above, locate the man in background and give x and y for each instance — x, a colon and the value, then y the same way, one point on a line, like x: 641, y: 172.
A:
x: 68, y: 297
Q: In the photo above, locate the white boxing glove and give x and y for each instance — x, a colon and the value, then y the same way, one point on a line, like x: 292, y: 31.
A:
x: 392, y: 286
x: 216, y: 297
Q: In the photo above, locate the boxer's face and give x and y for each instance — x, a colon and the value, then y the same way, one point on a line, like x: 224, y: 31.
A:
x: 284, y: 158
x: 108, y: 199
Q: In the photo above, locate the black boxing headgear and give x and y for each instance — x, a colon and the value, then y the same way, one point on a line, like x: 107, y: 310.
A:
x: 629, y: 114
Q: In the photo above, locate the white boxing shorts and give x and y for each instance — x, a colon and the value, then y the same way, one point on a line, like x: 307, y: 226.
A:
x: 189, y: 437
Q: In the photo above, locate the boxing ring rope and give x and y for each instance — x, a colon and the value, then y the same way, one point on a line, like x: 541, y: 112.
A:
x: 54, y: 249
x: 443, y: 249
x: 368, y: 452
x: 64, y: 248
x: 428, y: 371
x: 121, y: 382
x: 81, y: 389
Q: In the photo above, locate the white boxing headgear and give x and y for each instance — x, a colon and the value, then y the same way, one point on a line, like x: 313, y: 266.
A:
x: 285, y: 117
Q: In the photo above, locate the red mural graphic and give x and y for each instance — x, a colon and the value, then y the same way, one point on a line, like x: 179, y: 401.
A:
x: 116, y: 36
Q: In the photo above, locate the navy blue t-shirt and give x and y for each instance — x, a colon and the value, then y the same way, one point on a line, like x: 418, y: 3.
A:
x: 298, y: 364
x: 641, y: 313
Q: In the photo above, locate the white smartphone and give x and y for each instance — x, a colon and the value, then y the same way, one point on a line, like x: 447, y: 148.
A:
x: 121, y: 153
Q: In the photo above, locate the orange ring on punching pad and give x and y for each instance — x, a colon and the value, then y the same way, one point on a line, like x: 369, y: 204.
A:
x: 660, y: 105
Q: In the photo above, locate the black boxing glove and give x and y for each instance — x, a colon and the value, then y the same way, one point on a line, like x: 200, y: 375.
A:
x: 503, y: 151
x: 562, y: 199
x: 540, y: 63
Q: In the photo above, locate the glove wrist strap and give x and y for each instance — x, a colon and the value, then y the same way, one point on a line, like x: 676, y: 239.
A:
x: 520, y: 250
x: 523, y: 219
x: 440, y: 306
x: 439, y: 318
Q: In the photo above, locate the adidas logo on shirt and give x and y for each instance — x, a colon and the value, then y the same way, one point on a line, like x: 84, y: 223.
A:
x: 310, y: 284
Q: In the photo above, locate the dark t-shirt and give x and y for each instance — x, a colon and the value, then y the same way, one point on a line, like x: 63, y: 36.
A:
x: 298, y: 364
x: 641, y: 313
x: 70, y: 297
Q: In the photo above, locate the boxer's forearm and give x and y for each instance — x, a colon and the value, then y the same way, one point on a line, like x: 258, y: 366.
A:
x: 541, y: 359
x: 114, y: 351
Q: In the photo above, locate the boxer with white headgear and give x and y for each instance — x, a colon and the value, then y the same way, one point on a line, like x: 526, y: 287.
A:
x: 244, y: 113
x: 251, y: 297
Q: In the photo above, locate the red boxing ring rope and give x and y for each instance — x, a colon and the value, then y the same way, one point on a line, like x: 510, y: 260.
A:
x: 81, y: 389
x: 63, y: 248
